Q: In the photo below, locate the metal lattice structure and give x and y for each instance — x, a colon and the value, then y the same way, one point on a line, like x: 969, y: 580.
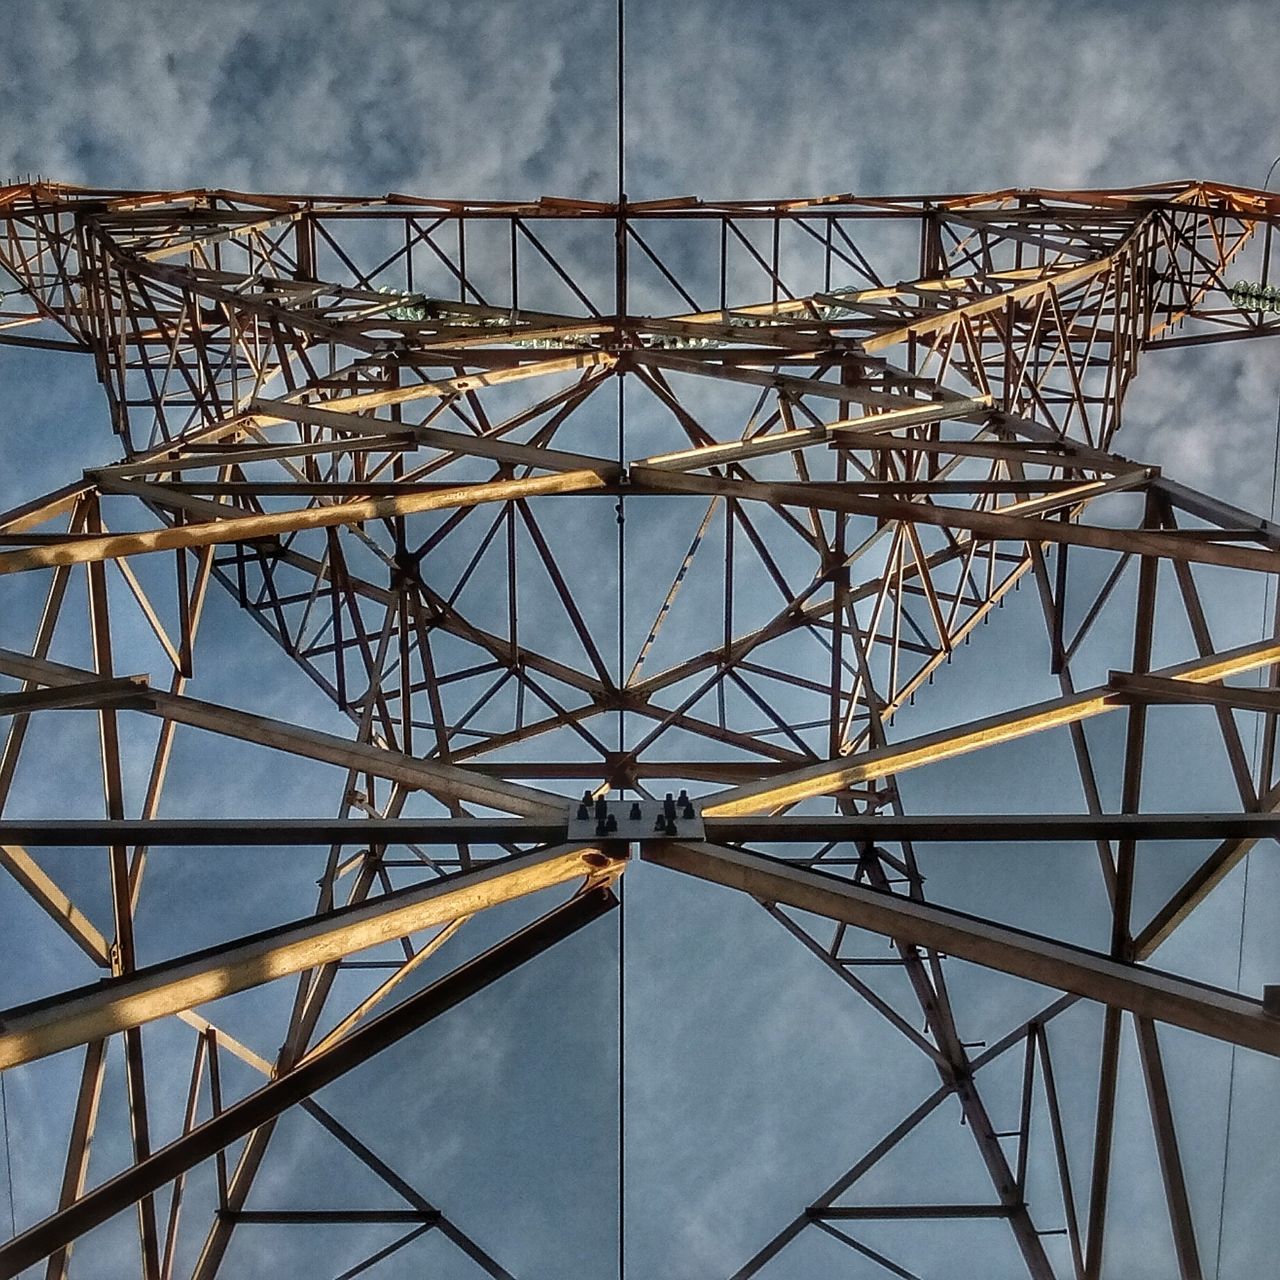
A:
x: 439, y: 453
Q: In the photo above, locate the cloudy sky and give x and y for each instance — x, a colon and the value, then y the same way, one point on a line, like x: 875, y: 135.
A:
x: 494, y: 100
x: 731, y: 1127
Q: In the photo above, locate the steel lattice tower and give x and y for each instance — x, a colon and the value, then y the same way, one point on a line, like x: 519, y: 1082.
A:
x: 439, y: 452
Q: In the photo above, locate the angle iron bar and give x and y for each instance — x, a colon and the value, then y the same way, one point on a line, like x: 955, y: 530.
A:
x: 89, y: 1013
x: 273, y: 1099
x: 1119, y: 984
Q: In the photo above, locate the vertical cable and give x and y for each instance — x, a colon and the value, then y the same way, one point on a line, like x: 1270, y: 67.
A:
x: 622, y: 898
x: 619, y: 306
x: 8, y: 1157
x: 622, y: 109
x: 1244, y: 888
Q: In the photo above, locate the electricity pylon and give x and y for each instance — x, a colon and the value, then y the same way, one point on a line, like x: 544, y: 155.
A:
x: 624, y: 532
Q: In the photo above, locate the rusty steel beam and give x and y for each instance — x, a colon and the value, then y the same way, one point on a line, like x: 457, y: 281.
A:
x: 1148, y: 993
x: 164, y: 1165
x: 36, y: 1030
x: 236, y: 525
x: 436, y: 776
x: 763, y: 829
x: 831, y: 775
x: 369, y: 469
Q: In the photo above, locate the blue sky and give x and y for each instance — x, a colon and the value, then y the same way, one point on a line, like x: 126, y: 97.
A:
x: 512, y: 1103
